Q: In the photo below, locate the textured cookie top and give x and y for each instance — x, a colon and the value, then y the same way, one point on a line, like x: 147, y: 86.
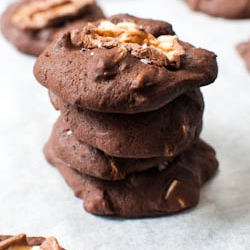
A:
x: 38, y: 14
x: 123, y: 64
x: 21, y: 242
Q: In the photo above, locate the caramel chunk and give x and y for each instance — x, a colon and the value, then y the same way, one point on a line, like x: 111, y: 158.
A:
x: 164, y: 50
x: 37, y: 14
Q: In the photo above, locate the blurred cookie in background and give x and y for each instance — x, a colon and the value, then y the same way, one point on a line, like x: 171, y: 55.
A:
x: 244, y: 51
x: 31, y: 25
x: 231, y: 9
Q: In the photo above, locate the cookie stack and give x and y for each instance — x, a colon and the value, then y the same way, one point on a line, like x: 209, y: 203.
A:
x: 127, y: 140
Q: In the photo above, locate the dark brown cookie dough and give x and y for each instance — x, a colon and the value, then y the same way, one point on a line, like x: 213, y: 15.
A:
x: 33, y: 39
x: 244, y: 51
x: 22, y: 242
x: 231, y: 9
x: 90, y: 161
x: 165, y: 132
x: 150, y: 193
x: 122, y: 80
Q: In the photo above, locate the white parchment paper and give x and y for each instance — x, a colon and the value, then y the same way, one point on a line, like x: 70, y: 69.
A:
x: 34, y: 198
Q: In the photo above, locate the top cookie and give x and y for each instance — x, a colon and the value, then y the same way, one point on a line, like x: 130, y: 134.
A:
x: 123, y: 64
x: 30, y: 25
x: 231, y: 9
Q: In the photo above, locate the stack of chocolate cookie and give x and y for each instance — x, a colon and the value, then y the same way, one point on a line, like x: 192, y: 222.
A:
x: 127, y: 140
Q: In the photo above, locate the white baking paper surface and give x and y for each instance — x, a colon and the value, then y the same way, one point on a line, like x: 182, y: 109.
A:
x: 34, y: 198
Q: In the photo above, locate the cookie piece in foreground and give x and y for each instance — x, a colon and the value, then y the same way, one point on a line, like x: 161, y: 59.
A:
x: 151, y: 193
x: 90, y: 161
x: 166, y: 132
x: 22, y: 242
x: 244, y: 51
x: 31, y: 25
x: 123, y: 64
x: 231, y: 9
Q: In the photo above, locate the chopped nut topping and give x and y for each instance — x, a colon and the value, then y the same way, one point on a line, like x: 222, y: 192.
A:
x: 115, y: 173
x: 168, y: 152
x: 184, y: 129
x: 171, y: 188
x: 37, y: 14
x: 163, y: 51
x: 182, y: 203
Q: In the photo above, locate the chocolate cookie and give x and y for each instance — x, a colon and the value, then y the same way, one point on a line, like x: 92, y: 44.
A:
x: 31, y: 25
x: 21, y: 242
x: 165, y: 132
x: 231, y: 9
x: 244, y: 51
x: 123, y: 65
x: 150, y: 193
x: 90, y: 161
